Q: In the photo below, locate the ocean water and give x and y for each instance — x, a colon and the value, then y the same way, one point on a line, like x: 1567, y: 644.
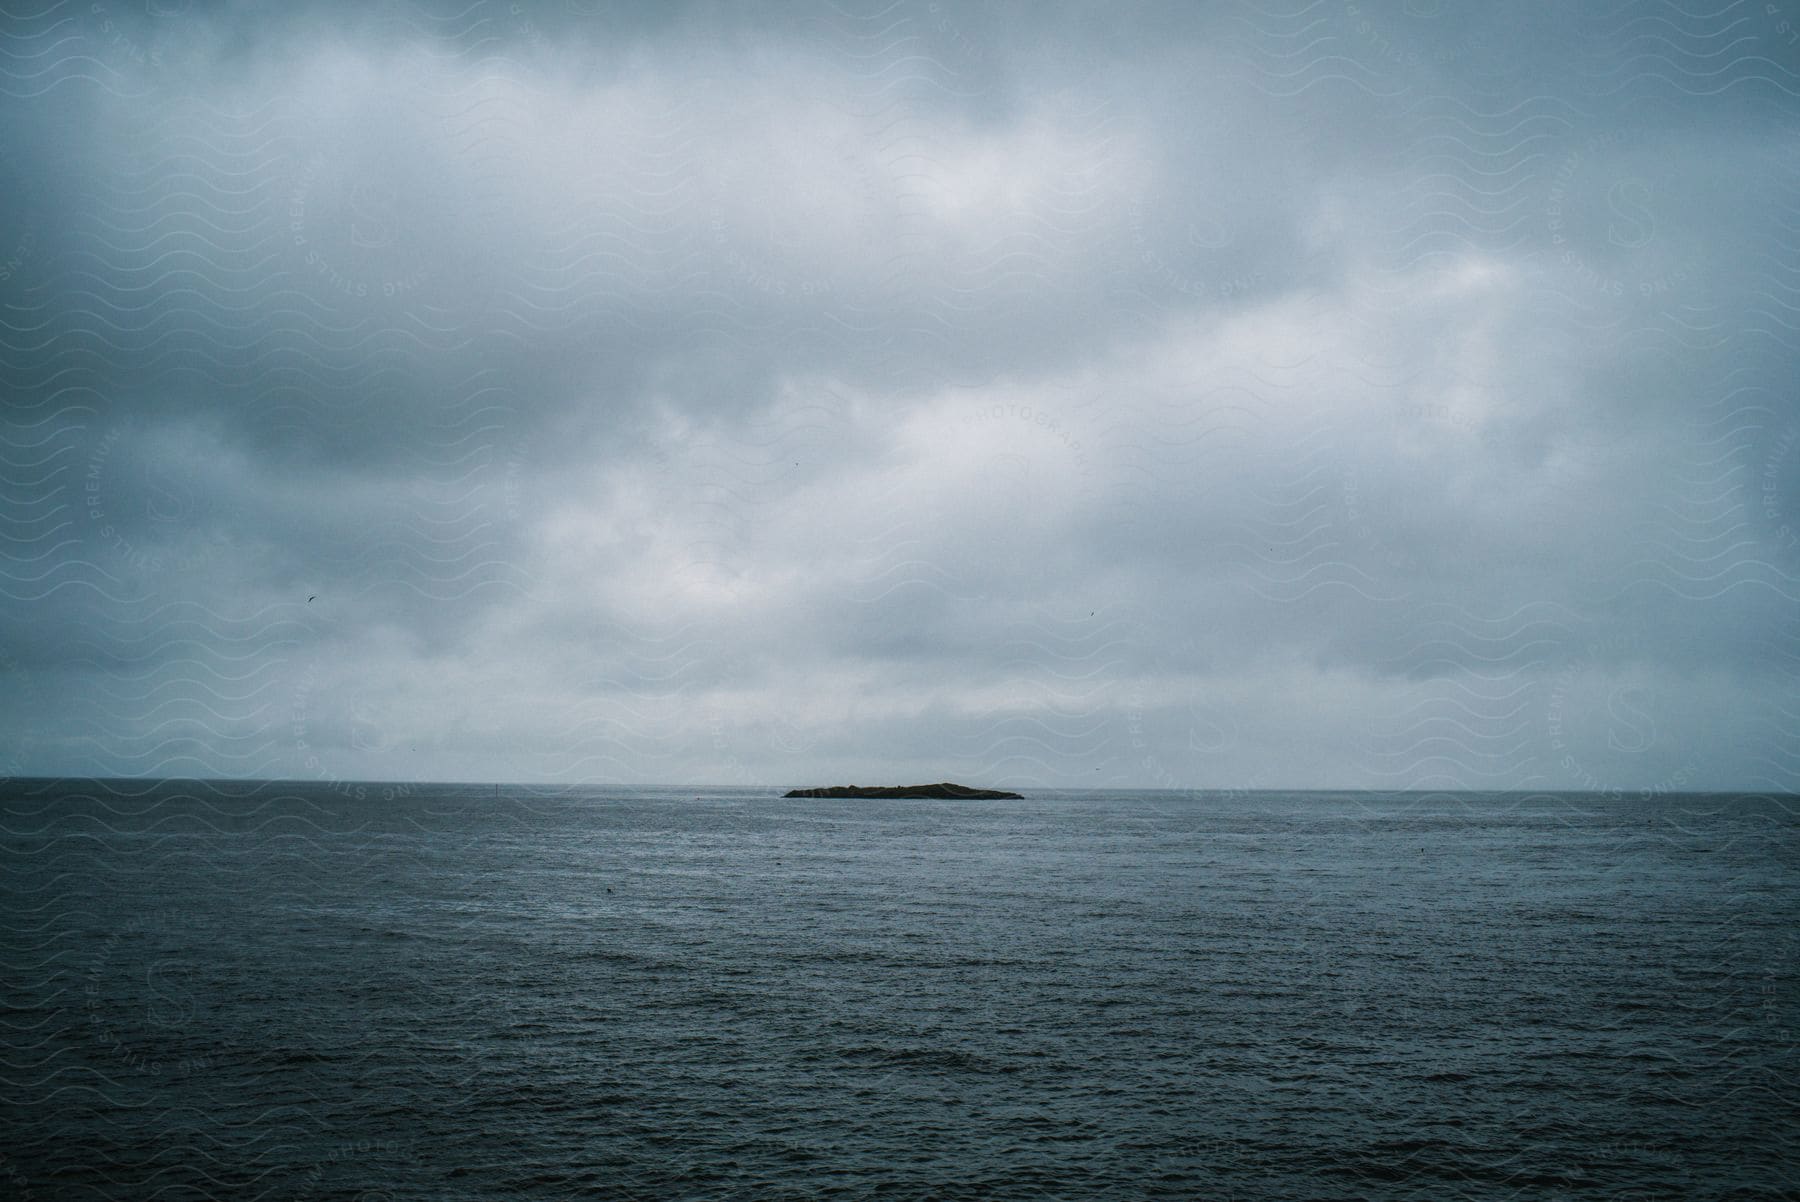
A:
x: 306, y: 991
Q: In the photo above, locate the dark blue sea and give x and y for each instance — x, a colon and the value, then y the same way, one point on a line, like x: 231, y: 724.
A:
x: 330, y: 991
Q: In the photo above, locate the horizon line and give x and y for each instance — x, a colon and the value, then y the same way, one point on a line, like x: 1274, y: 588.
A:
x: 1617, y: 793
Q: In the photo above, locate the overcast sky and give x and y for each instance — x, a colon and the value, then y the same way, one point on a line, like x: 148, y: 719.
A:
x: 1397, y: 395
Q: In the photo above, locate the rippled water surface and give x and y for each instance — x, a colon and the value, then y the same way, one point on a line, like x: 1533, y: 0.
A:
x: 290, y: 991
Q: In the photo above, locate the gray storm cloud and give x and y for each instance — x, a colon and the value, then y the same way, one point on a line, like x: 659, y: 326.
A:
x: 1175, y: 396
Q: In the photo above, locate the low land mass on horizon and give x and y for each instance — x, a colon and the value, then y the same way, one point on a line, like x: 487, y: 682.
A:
x: 943, y: 791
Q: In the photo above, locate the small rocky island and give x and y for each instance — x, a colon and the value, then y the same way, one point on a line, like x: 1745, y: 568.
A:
x: 943, y: 791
